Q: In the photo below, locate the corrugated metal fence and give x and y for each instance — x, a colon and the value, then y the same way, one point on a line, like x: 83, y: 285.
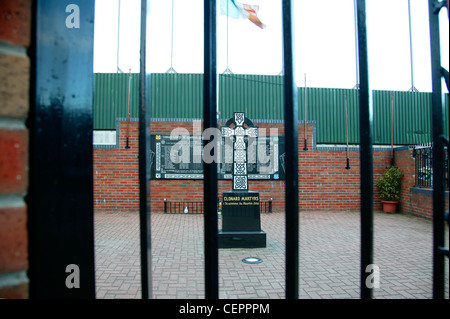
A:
x: 180, y: 96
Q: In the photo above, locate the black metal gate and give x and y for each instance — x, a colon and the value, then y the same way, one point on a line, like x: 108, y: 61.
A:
x: 439, y: 141
x: 60, y: 197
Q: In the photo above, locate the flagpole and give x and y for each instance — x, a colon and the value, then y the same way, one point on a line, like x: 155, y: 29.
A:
x: 171, y: 41
x: 306, y: 140
x: 227, y: 69
x: 346, y: 129
x: 392, y: 128
x: 171, y: 69
x: 412, y: 89
x: 227, y: 38
x: 128, y: 110
x: 356, y: 44
x: 118, y: 38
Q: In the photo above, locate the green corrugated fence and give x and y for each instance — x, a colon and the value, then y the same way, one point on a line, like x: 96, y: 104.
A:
x: 180, y: 96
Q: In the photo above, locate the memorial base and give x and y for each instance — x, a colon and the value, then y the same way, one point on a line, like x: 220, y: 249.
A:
x: 241, y: 223
x: 242, y: 239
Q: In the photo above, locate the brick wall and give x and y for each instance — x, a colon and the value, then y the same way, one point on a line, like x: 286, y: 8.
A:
x: 116, y: 175
x: 324, y: 183
x: 15, y: 23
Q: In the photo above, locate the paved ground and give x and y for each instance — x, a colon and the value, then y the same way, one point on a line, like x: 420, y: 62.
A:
x: 329, y: 257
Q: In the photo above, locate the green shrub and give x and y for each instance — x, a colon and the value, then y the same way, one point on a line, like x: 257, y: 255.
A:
x: 389, y: 184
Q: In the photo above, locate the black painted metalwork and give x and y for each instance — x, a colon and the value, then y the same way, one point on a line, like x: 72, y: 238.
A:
x: 438, y: 152
x: 144, y: 159
x: 171, y: 207
x: 423, y: 166
x: 366, y: 152
x: 60, y: 201
x: 291, y: 146
x: 183, y: 207
x: 423, y: 163
x: 210, y: 169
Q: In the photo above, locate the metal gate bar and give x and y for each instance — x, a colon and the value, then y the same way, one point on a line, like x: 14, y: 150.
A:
x: 291, y: 136
x: 60, y: 215
x: 144, y: 159
x: 210, y: 169
x: 366, y: 152
x: 438, y: 151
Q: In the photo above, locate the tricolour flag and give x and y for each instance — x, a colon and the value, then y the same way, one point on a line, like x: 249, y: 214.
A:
x: 238, y: 10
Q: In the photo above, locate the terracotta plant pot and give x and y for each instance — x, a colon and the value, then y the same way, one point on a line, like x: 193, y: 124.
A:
x: 389, y: 206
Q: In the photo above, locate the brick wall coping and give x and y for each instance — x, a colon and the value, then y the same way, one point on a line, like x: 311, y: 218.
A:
x: 426, y: 191
x: 316, y: 147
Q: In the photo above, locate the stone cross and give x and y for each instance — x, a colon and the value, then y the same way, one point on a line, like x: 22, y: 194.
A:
x: 239, y: 132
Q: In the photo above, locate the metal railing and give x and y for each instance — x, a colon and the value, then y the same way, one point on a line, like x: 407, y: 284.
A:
x: 172, y: 207
x: 423, y: 171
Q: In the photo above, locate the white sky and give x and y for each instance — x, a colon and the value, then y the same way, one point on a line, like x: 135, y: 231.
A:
x: 324, y: 36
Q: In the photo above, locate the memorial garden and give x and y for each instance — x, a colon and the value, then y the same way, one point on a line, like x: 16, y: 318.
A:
x: 252, y: 204
x: 220, y: 184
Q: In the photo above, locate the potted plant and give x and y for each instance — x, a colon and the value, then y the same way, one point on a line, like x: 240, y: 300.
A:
x: 389, y: 187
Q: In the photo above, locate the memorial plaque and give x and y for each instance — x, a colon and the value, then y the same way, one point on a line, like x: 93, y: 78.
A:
x: 241, y: 223
x: 176, y: 158
x: 268, y: 166
x: 240, y: 211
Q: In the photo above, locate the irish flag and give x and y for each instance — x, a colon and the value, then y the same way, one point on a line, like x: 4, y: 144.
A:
x: 238, y: 10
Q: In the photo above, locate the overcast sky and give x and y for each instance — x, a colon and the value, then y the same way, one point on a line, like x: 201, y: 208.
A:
x: 324, y: 39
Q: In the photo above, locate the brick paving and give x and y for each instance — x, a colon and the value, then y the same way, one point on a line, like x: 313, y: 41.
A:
x: 329, y: 257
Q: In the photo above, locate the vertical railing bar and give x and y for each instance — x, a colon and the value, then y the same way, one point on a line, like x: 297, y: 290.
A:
x: 291, y: 140
x: 437, y: 159
x: 210, y: 169
x: 417, y: 168
x: 423, y: 162
x: 366, y: 159
x: 420, y: 163
x: 60, y: 210
x: 144, y: 168
x: 416, y: 164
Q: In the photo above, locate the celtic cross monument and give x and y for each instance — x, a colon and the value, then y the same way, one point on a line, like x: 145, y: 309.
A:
x: 241, y: 223
x: 240, y: 174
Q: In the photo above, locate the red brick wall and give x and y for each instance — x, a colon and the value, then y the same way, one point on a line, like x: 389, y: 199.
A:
x: 324, y: 183
x: 405, y: 162
x: 15, y: 25
x: 116, y: 175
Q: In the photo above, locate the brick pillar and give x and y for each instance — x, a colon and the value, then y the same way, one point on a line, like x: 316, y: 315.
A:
x: 15, y: 25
